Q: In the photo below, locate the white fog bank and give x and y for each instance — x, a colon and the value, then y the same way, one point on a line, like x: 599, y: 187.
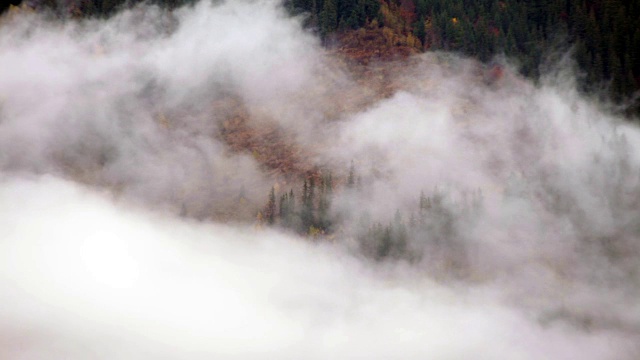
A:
x: 84, y: 278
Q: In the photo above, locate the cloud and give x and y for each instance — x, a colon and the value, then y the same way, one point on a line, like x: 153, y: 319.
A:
x: 109, y: 128
x: 129, y: 102
x: 557, y: 173
x: 83, y: 277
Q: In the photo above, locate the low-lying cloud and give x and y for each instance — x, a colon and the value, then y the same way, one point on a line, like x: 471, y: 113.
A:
x: 129, y: 102
x: 83, y: 277
x: 110, y: 129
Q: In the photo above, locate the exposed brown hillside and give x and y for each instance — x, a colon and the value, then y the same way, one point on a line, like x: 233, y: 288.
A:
x: 375, y: 44
x: 269, y: 144
x: 369, y: 58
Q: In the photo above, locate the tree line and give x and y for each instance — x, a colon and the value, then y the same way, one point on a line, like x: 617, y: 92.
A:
x: 431, y: 229
x: 310, y: 215
x: 605, y: 34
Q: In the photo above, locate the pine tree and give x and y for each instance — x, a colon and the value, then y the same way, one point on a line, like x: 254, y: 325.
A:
x: 384, y: 243
x: 371, y: 9
x: 292, y: 202
x: 306, y: 213
x: 284, y: 203
x: 324, y: 203
x: 328, y: 18
x: 399, y: 236
x: 418, y: 29
x: 270, y: 211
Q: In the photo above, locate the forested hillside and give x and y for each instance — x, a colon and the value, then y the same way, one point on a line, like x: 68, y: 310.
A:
x: 605, y: 33
x: 320, y: 179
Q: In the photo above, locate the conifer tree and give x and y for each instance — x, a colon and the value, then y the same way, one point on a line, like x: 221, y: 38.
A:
x: 270, y: 211
x: 284, y: 203
x: 324, y: 203
x: 306, y: 213
x: 328, y: 18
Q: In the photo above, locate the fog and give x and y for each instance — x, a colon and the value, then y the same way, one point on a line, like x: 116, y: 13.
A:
x: 127, y: 103
x: 83, y: 277
x: 127, y: 215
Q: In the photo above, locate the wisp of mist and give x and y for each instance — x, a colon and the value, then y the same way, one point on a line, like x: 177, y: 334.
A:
x: 114, y: 185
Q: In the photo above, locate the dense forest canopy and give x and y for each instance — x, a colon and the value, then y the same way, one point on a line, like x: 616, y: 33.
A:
x: 605, y: 33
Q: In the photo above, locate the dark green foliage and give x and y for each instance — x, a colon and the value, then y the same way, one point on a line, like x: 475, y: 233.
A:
x: 315, y: 208
x: 328, y: 18
x: 432, y: 233
x: 287, y: 211
x: 270, y: 209
x: 419, y: 30
x: 103, y: 8
x: 605, y: 35
x: 324, y: 204
x: 371, y: 9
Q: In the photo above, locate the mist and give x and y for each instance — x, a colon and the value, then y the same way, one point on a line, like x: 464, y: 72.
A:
x: 132, y: 173
x: 87, y: 278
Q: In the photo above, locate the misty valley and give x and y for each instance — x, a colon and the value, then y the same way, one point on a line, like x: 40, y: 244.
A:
x: 318, y: 180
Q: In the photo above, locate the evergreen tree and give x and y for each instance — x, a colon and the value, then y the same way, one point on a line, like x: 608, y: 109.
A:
x: 285, y: 210
x: 328, y: 18
x: 419, y: 30
x: 384, y: 243
x: 324, y: 203
x: 307, y: 211
x: 270, y: 210
x: 371, y: 9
